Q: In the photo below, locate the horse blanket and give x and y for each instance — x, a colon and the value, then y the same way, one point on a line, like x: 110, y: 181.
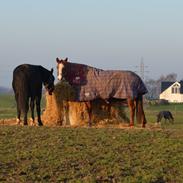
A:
x: 91, y: 83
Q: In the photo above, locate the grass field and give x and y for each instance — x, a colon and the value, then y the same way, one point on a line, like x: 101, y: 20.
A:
x: 8, y: 106
x: 44, y: 154
x: 33, y: 154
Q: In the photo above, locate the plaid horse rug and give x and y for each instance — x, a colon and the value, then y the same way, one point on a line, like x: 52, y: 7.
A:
x: 91, y: 83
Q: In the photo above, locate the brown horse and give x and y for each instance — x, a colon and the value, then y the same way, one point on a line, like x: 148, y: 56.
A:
x: 91, y: 83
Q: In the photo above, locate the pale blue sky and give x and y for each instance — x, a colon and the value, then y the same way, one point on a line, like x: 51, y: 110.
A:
x: 108, y: 34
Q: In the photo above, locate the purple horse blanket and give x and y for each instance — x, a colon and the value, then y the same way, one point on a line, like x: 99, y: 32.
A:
x: 91, y: 83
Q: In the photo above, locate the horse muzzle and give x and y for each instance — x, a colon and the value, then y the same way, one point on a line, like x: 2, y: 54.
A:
x: 59, y: 77
x: 50, y: 91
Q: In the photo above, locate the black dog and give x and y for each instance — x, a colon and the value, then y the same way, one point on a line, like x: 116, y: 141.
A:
x: 166, y: 115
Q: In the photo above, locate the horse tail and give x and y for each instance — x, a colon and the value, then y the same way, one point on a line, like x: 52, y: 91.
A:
x: 21, y: 93
x: 140, y: 116
x: 23, y: 102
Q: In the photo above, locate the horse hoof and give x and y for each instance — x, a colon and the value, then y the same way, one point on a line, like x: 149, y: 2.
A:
x: 89, y: 124
x: 18, y: 121
x: 40, y: 124
x: 32, y: 122
x: 131, y: 125
x: 143, y: 126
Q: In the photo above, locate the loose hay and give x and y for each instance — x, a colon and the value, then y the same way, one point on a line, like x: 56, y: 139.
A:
x: 62, y: 110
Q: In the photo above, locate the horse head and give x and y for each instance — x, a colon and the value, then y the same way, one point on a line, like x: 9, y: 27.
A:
x: 60, y: 66
x: 49, y: 83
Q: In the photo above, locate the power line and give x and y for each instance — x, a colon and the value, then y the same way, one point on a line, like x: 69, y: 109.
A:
x: 142, y: 69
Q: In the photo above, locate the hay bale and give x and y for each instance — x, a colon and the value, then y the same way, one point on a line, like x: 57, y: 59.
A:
x: 62, y: 110
x: 51, y: 113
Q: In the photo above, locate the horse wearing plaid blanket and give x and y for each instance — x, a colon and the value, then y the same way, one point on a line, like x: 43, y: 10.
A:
x: 91, y: 83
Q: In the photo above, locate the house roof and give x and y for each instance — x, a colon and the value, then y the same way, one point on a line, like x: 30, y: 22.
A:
x: 181, y: 86
x: 167, y: 84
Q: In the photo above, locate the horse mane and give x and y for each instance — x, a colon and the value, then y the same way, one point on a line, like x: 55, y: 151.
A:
x: 45, y: 74
x: 75, y: 66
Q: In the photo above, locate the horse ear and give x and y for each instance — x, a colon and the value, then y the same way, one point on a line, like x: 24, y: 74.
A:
x: 52, y: 70
x: 57, y: 59
x: 66, y: 59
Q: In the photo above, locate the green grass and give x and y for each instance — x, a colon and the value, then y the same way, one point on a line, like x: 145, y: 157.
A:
x: 42, y: 154
x: 33, y: 154
x: 176, y: 109
x: 8, y: 106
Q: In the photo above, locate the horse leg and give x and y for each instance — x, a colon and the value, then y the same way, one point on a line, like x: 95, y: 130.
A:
x: 26, y: 108
x: 131, y: 106
x: 140, y: 111
x: 109, y: 109
x: 172, y: 120
x: 18, y: 116
x: 89, y: 109
x: 38, y: 108
x: 32, y: 111
x: 18, y: 109
x: 165, y: 119
x: 160, y: 119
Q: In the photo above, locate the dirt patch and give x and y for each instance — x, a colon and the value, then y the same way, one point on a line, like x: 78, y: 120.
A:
x: 8, y: 121
x: 13, y: 121
x: 101, y: 124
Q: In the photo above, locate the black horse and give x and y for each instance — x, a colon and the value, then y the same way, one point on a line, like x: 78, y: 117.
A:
x: 166, y: 115
x: 27, y: 84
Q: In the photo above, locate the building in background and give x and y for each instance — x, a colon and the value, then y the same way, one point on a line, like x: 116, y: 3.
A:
x: 172, y: 91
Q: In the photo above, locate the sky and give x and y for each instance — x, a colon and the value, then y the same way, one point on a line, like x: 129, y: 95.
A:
x: 107, y: 34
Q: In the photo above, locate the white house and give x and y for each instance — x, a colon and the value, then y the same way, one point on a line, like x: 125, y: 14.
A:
x: 172, y: 91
